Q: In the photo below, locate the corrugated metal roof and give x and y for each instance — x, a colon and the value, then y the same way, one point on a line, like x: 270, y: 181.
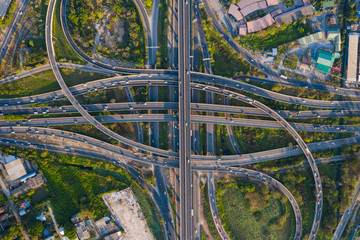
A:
x: 253, y: 8
x: 311, y: 38
x: 244, y: 3
x: 352, y: 56
x: 325, y: 58
x: 295, y: 14
x: 260, y: 24
x: 272, y: 2
x: 234, y: 11
x: 334, y: 35
x: 323, y: 68
x: 15, y: 169
x: 325, y: 61
x: 242, y: 30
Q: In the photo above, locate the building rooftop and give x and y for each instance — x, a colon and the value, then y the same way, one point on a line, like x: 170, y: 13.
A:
x: 333, y: 34
x: 295, y: 14
x: 9, y: 158
x: 260, y: 24
x: 352, y: 56
x: 242, y: 30
x: 114, y: 236
x: 4, y: 5
x: 243, y: 3
x: 234, y: 11
x: 311, y: 38
x: 325, y: 61
x: 328, y: 4
x: 253, y: 8
x: 272, y: 2
x: 15, y: 169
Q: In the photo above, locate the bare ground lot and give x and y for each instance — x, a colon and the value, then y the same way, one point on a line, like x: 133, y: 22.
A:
x: 126, y: 210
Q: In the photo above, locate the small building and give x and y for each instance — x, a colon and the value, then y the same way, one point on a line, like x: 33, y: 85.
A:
x: 3, y: 208
x: 27, y: 176
x: 244, y: 3
x: 105, y: 227
x: 331, y: 20
x: 62, y: 232
x: 333, y: 34
x: 352, y: 57
x: 114, y: 236
x: 295, y: 14
x: 242, y: 30
x: 4, y: 5
x: 25, y: 205
x: 22, y: 212
x: 325, y: 61
x: 35, y: 182
x: 41, y: 217
x: 9, y: 158
x: 272, y: 2
x: 235, y: 13
x: 4, y: 217
x: 274, y: 51
x: 260, y: 24
x: 85, y: 228
x: 311, y: 38
x: 31, y: 183
x: 329, y: 4
x: 15, y: 169
x: 254, y: 7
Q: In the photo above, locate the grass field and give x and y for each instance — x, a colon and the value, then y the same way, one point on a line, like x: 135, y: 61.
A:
x: 45, y: 82
x: 275, y: 221
x: 77, y: 184
x: 163, y: 24
x: 222, y: 66
x: 207, y: 212
x: 290, y: 61
x: 163, y: 94
x: 273, y: 36
x: 260, y: 139
x: 164, y: 135
x: 63, y: 51
x: 223, y: 144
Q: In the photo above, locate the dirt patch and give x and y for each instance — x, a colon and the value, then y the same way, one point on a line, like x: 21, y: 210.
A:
x: 109, y: 35
x: 124, y: 206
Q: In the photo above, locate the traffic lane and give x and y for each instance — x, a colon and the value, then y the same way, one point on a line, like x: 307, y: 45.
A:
x: 124, y: 106
x: 64, y: 135
x: 226, y: 82
x: 263, y: 178
x: 154, y: 119
x: 276, y: 153
x: 295, y: 135
x: 350, y: 92
x: 99, y: 63
x: 82, y: 89
x: 141, y: 79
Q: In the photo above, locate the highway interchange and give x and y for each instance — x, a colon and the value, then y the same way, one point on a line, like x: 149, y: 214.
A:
x: 187, y: 82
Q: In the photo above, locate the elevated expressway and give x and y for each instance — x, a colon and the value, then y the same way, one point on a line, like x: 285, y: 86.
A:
x: 116, y: 160
x: 73, y: 100
x: 125, y: 106
x: 209, y: 162
x: 169, y: 80
x: 207, y: 79
x: 243, y: 172
x: 244, y: 122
